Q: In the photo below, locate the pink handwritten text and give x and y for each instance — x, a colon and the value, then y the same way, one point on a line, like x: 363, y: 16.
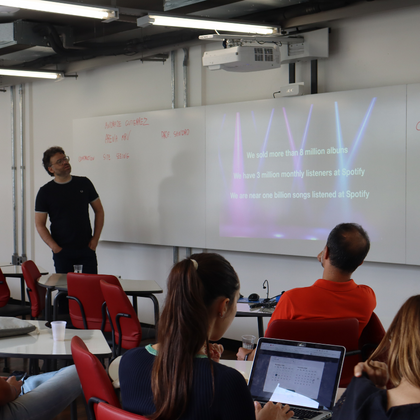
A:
x: 112, y: 124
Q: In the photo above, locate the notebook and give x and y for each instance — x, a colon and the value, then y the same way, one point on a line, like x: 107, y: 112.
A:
x: 303, y: 375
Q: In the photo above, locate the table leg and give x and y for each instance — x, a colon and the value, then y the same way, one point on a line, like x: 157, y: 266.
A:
x: 135, y: 304
x: 48, y: 305
x: 155, y: 304
x: 260, y: 327
x: 22, y: 291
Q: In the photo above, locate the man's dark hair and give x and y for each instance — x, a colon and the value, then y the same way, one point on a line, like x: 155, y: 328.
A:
x: 48, y: 154
x: 348, y: 245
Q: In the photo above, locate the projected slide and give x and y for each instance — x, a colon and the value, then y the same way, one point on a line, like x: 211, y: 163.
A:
x: 281, y: 173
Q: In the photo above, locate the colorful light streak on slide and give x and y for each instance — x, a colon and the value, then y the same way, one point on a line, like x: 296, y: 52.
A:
x: 265, y: 197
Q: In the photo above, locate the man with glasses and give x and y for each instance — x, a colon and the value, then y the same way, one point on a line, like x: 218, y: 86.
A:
x: 66, y: 201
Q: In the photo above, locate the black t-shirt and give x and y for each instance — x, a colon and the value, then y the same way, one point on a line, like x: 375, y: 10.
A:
x: 67, y: 206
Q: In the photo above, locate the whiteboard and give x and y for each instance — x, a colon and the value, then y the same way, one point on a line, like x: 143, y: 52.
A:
x: 413, y: 174
x: 149, y: 171
x: 272, y: 176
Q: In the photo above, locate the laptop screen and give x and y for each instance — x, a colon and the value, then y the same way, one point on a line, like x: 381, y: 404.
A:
x: 296, y: 373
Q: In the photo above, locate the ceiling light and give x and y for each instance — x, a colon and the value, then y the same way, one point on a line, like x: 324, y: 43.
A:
x: 26, y: 73
x: 106, y: 14
x: 163, y: 20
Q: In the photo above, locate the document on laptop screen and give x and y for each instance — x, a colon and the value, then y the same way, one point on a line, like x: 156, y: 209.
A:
x: 300, y: 376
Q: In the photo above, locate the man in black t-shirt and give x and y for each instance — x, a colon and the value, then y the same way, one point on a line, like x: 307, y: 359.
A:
x: 66, y: 201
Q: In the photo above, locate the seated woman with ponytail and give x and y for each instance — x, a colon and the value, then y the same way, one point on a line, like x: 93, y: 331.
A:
x: 176, y: 378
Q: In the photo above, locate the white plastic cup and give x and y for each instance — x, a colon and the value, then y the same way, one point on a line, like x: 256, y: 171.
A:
x: 58, y: 330
x: 78, y: 268
x: 248, y: 341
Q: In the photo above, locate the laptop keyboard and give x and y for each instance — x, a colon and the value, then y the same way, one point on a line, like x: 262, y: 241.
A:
x: 301, y: 413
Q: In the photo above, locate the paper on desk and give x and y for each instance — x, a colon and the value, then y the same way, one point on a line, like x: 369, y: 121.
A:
x: 243, y: 307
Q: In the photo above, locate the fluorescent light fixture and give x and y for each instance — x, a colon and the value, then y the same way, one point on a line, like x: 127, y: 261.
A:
x: 213, y: 25
x: 28, y: 73
x: 102, y: 13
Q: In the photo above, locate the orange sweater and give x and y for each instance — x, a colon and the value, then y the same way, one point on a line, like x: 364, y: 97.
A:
x: 327, y: 299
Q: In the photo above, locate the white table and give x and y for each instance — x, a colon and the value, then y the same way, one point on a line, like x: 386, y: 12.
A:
x: 39, y: 344
x: 135, y: 288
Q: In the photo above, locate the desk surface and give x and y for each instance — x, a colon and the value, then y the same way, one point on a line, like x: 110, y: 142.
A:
x: 40, y: 343
x: 59, y: 282
x: 240, y: 365
x: 16, y: 270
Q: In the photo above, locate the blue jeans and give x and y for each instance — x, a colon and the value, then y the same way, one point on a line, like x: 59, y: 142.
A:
x: 44, y: 396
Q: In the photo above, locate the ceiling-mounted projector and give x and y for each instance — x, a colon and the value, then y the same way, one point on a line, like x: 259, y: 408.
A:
x: 243, y: 58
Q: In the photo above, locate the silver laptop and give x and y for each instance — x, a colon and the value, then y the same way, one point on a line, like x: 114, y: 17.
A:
x: 303, y: 375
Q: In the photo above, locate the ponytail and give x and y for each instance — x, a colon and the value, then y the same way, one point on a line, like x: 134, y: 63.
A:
x: 193, y: 285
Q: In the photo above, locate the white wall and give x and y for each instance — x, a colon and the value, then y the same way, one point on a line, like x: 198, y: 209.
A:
x: 365, y: 52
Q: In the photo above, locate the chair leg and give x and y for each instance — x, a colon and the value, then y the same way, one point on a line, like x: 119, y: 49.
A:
x: 6, y: 365
x: 73, y: 410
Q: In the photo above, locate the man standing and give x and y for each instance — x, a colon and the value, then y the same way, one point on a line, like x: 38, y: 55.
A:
x: 66, y: 201
x: 336, y: 295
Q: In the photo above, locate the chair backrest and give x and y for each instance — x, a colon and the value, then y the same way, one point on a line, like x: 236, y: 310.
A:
x: 36, y: 292
x: 371, y: 336
x: 86, y: 299
x: 4, y: 290
x: 108, y: 412
x: 123, y: 316
x: 342, y: 332
x: 93, y: 377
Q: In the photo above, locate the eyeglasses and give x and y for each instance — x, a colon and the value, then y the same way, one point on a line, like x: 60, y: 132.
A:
x: 61, y: 161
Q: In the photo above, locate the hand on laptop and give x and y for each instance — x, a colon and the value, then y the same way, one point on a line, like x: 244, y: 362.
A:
x: 272, y: 411
x: 242, y: 353
x: 377, y: 372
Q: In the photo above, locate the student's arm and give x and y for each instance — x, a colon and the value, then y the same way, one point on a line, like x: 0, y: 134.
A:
x: 9, y: 389
x: 243, y: 353
x: 44, y: 233
x: 99, y: 223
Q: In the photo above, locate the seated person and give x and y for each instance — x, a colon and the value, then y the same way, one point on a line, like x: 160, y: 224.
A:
x: 179, y: 377
x: 367, y: 398
x: 40, y: 397
x: 336, y: 295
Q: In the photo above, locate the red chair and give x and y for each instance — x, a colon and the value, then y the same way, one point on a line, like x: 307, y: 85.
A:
x: 371, y: 336
x: 93, y: 377
x: 343, y: 332
x: 87, y: 304
x: 36, y: 292
x: 4, y: 290
x: 108, y: 412
x: 10, y: 309
x: 124, y: 321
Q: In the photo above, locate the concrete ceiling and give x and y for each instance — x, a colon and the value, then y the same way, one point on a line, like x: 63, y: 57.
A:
x: 47, y: 41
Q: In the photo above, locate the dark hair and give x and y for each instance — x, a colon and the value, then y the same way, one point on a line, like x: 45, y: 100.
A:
x: 348, y: 245
x: 184, y: 326
x: 48, y: 154
x: 401, y: 344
